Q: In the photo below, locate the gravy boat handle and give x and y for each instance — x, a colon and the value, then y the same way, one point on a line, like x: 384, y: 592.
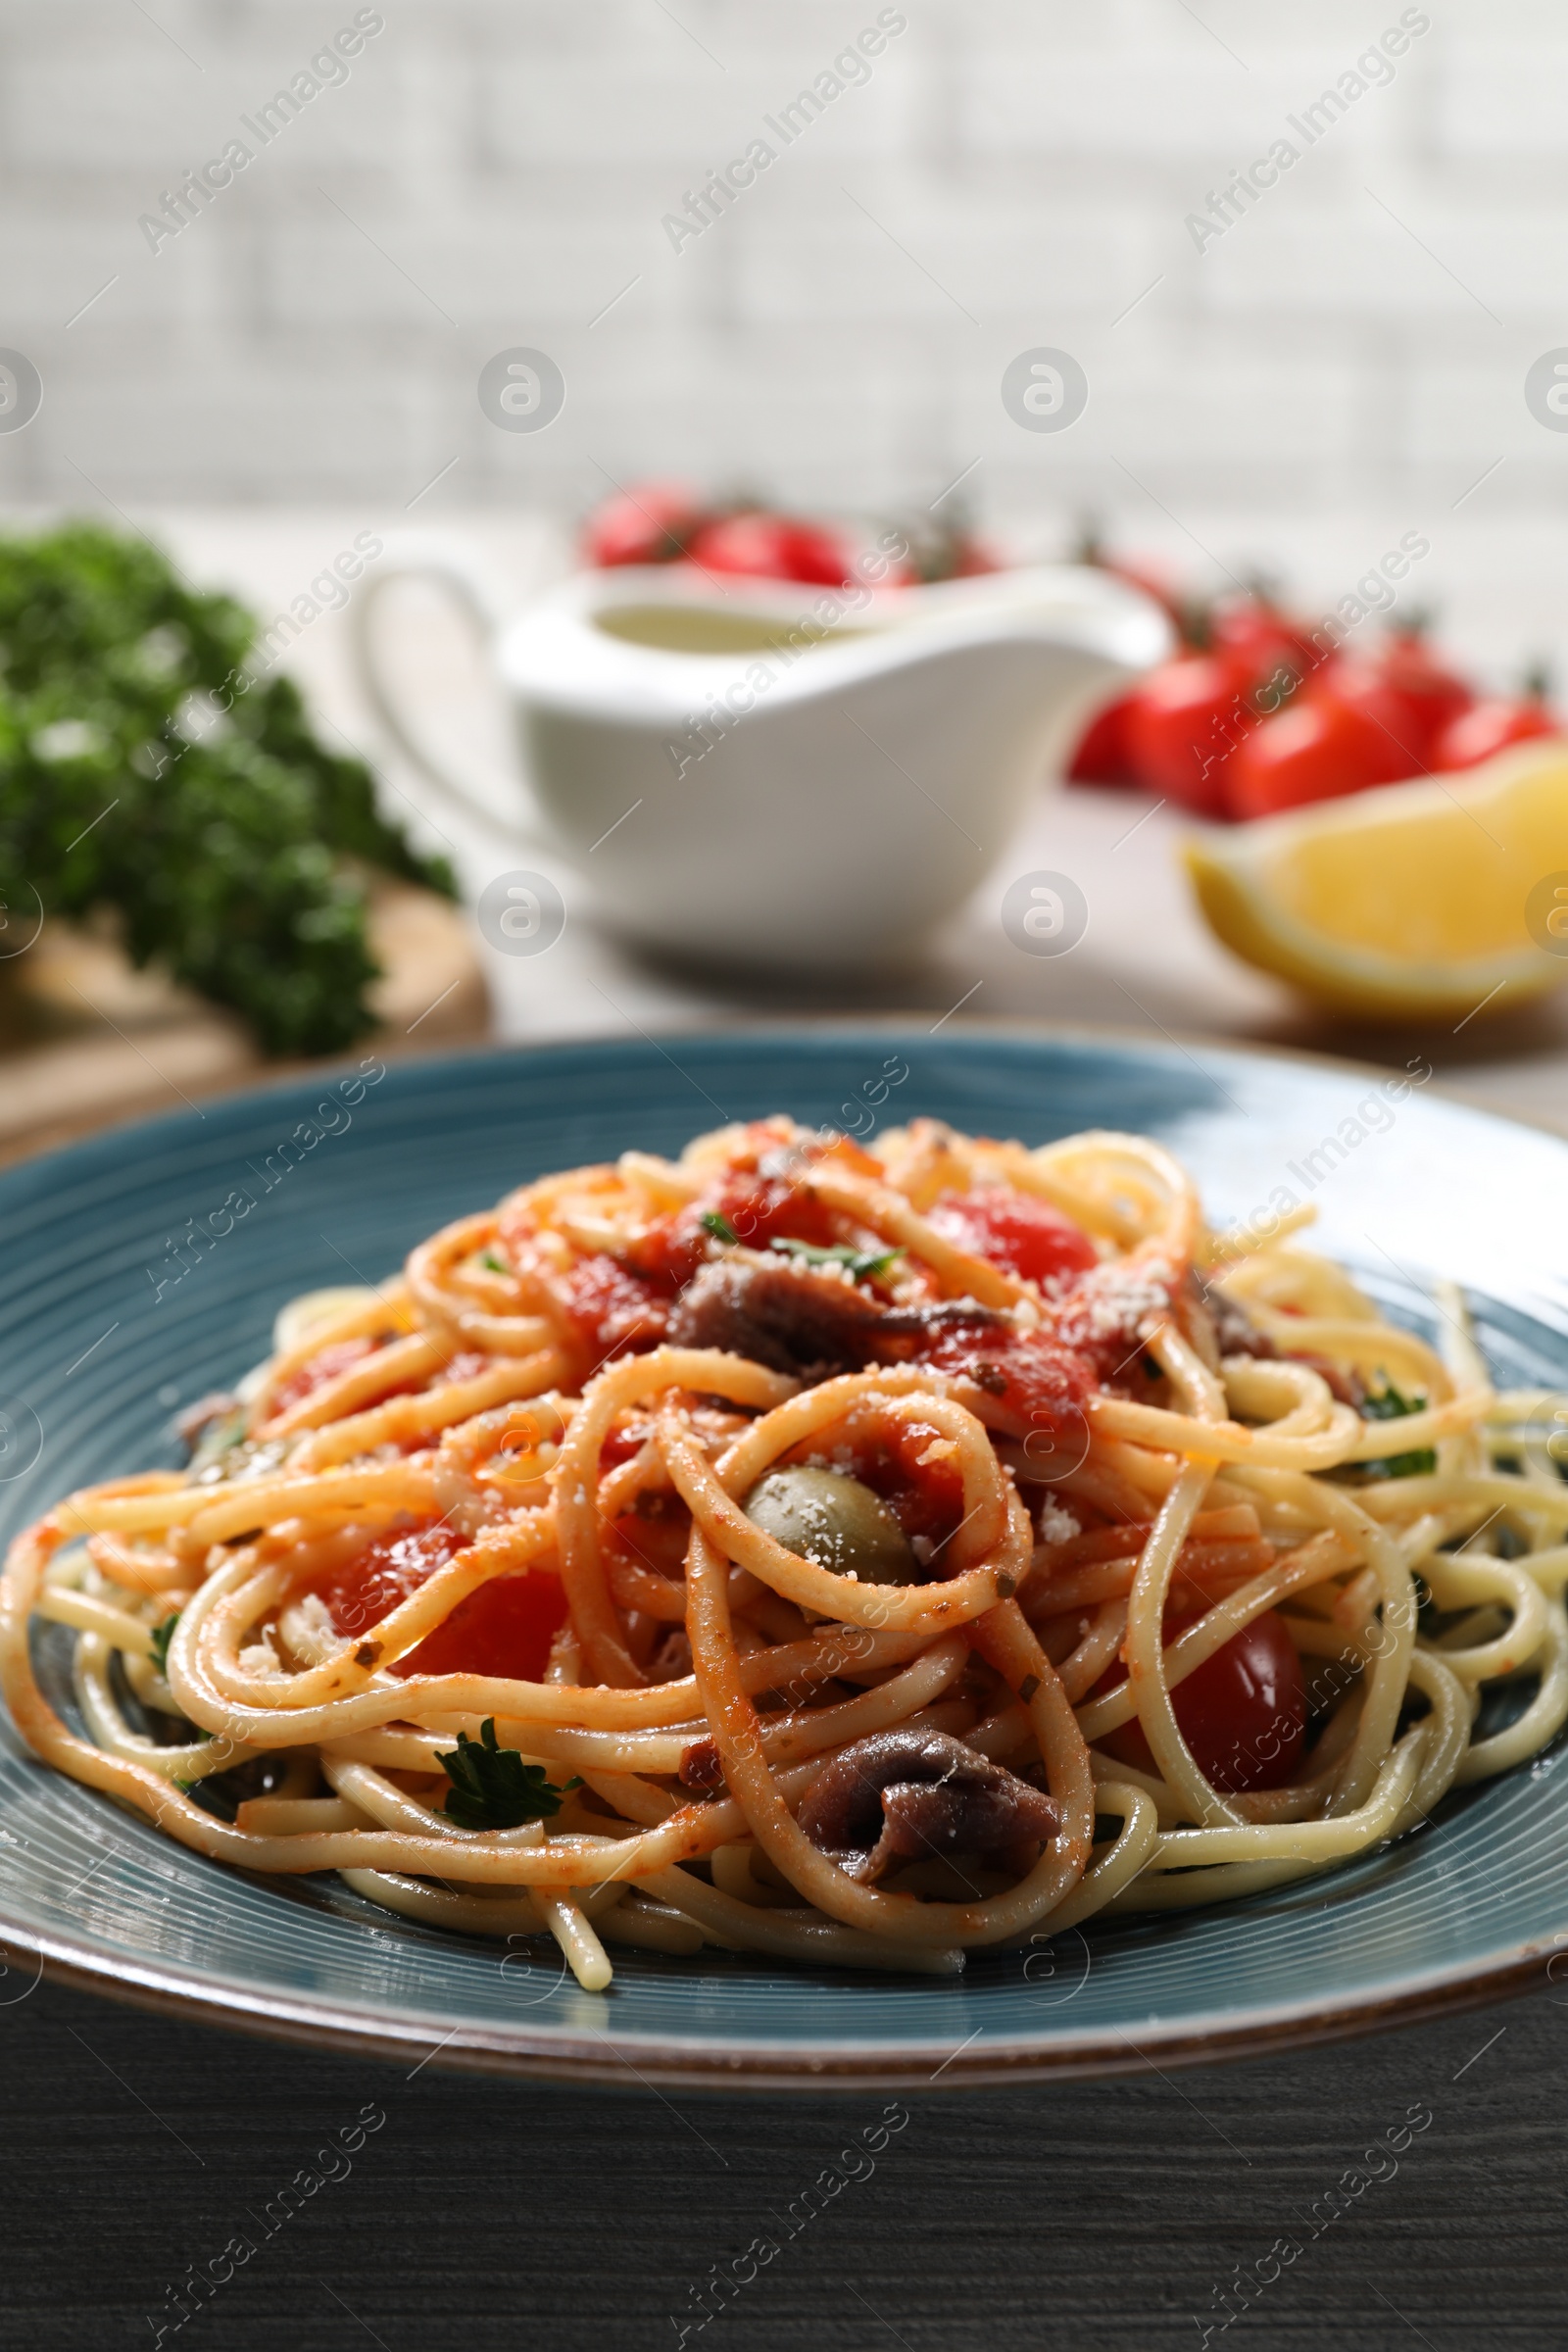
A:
x: 446, y: 565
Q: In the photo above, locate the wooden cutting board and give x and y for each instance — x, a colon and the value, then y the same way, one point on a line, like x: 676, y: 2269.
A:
x: 86, y: 1042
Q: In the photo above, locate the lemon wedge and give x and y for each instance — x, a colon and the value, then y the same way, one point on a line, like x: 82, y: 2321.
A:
x: 1416, y: 899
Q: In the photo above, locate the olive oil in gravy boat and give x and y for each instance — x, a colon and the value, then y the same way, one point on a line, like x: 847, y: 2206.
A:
x: 773, y: 776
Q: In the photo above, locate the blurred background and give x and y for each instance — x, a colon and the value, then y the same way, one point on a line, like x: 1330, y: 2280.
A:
x: 1285, y: 376
x: 1349, y: 356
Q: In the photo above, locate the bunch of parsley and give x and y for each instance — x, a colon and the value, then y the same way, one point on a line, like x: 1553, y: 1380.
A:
x: 147, y: 767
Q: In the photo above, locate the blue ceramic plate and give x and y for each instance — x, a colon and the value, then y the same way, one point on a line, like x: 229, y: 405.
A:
x: 111, y: 1316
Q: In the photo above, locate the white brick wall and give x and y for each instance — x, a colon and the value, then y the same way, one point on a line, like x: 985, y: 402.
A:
x: 1012, y: 172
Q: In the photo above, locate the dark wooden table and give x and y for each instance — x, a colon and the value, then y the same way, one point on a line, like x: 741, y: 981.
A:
x: 520, y: 2217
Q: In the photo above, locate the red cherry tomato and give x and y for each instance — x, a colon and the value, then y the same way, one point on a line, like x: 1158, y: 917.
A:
x: 1402, y: 722
x: 1256, y: 632
x: 770, y: 547
x: 1103, y: 757
x: 1491, y: 726
x: 368, y: 1587
x: 1318, y: 747
x: 1243, y: 1712
x: 1183, y: 727
x: 1427, y: 694
x: 1015, y: 1231
x: 505, y: 1628
x: 649, y: 523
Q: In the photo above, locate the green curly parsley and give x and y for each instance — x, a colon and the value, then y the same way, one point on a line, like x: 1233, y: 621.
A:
x: 491, y: 1788
x: 1388, y: 1404
x: 149, y: 765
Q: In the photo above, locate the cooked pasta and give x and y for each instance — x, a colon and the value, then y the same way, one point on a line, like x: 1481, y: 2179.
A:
x: 857, y: 1559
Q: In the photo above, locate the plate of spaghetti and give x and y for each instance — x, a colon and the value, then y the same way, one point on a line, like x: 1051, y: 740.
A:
x: 827, y: 1556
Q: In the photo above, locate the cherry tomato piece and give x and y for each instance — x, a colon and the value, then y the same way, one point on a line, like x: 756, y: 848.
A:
x: 924, y: 1495
x: 615, y: 1313
x: 1040, y: 1379
x: 1015, y: 1231
x: 368, y: 1587
x: 505, y: 1628
x: 1243, y: 1712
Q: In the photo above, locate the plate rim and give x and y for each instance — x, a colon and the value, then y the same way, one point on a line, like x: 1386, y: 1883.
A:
x: 760, y: 2066
x: 676, y: 2062
x: 221, y: 1096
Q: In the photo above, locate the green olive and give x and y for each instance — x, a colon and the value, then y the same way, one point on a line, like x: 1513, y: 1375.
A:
x: 833, y: 1520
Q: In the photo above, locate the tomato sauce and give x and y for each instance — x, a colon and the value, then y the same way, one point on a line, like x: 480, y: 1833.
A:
x: 314, y: 1373
x: 344, y: 1354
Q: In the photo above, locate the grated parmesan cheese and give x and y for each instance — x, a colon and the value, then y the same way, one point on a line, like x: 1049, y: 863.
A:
x: 1120, y: 1302
x: 1056, y: 1523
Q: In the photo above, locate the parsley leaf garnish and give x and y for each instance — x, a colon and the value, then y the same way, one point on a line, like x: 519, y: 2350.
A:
x: 1388, y: 1404
x: 488, y: 1258
x: 860, y: 1262
x: 491, y: 1788
x: 720, y: 1228
x: 162, y: 1636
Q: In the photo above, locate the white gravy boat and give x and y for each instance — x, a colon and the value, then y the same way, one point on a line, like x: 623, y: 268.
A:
x: 769, y: 774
